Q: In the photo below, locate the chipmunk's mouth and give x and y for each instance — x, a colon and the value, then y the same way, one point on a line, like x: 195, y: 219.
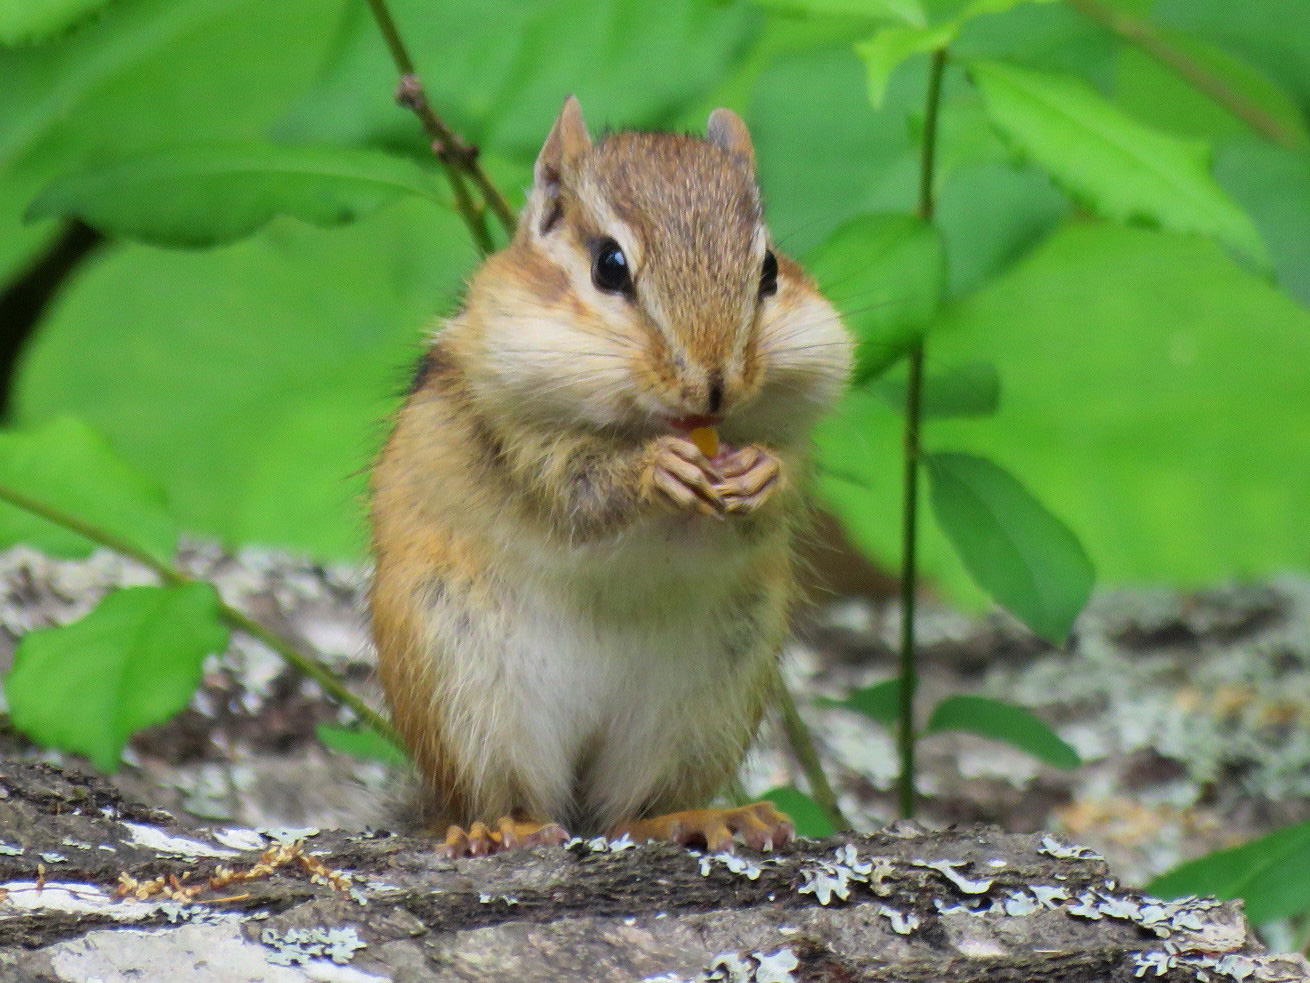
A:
x: 689, y: 423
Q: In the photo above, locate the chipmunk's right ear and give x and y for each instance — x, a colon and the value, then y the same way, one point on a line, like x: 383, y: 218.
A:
x: 568, y: 141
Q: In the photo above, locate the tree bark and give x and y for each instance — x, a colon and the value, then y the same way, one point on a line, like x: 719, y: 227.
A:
x: 98, y: 888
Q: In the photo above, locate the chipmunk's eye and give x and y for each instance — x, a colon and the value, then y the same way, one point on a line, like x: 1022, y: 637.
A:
x: 609, y: 268
x: 769, y: 275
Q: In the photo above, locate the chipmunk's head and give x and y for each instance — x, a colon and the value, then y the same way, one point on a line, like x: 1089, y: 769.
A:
x: 648, y: 295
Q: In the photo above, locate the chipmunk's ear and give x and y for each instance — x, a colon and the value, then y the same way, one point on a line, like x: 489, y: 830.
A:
x: 725, y: 129
x: 568, y: 140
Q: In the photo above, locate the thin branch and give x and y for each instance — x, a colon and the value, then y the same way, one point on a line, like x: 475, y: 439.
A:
x: 905, y: 733
x: 802, y: 745
x: 1149, y: 39
x: 459, y: 158
x: 172, y: 577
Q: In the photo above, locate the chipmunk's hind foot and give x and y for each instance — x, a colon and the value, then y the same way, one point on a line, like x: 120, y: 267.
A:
x: 760, y: 826
x: 511, y: 833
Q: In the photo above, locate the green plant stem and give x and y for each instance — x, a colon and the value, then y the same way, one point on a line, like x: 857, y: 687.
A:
x: 460, y: 159
x: 906, y: 794
x: 1152, y: 41
x: 802, y: 745
x: 172, y: 577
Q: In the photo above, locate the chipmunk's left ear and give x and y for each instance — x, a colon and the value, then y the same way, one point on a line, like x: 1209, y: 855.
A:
x: 726, y: 130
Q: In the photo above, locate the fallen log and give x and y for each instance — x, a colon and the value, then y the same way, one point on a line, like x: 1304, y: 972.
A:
x: 93, y: 887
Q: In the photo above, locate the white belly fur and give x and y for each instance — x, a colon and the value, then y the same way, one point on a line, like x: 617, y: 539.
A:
x: 610, y: 670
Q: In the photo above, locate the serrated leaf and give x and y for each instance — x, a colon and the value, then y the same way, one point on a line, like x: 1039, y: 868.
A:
x: 213, y: 193
x: 360, y: 743
x: 969, y: 390
x: 886, y: 274
x: 883, y: 53
x: 1270, y: 874
x: 880, y: 702
x: 1023, y: 556
x: 25, y: 21
x: 805, y: 815
x: 134, y: 661
x: 1116, y: 166
x: 1005, y: 722
x: 69, y: 467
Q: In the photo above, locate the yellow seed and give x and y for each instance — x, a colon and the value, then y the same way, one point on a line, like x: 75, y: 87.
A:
x: 705, y: 439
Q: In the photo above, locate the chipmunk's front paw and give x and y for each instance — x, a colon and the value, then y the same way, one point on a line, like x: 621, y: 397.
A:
x: 479, y: 840
x: 760, y: 826
x: 681, y: 477
x: 750, y: 477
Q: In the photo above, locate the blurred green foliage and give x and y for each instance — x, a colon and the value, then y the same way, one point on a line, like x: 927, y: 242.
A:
x: 1150, y: 385
x: 1113, y: 288
x: 251, y: 379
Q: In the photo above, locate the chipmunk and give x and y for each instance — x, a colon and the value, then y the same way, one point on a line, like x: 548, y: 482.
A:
x: 577, y: 610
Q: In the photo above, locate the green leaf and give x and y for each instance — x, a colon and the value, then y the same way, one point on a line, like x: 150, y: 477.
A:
x: 1118, y: 167
x: 886, y: 50
x: 891, y: 46
x: 880, y: 702
x: 25, y: 21
x: 990, y: 215
x: 1005, y: 722
x: 1270, y: 874
x: 133, y: 662
x: 905, y: 11
x: 1273, y: 185
x: 211, y: 193
x: 805, y: 815
x: 251, y: 379
x: 70, y: 468
x: 886, y: 274
x: 817, y: 175
x: 1051, y: 36
x: 498, y: 72
x: 1155, y: 399
x: 1016, y: 550
x: 1268, y: 34
x: 362, y: 743
x: 969, y: 390
x: 144, y: 74
x: 1157, y: 95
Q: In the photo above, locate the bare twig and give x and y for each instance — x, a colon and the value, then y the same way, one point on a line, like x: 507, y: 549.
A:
x: 459, y: 158
x: 1149, y: 39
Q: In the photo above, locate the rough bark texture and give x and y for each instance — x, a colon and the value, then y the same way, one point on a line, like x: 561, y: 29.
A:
x: 96, y: 888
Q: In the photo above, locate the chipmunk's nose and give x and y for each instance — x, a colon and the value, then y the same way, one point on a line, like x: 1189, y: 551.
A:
x: 705, y: 387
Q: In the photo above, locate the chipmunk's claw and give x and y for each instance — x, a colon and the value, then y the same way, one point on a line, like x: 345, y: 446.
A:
x: 479, y: 840
x: 750, y: 477
x: 760, y: 825
x: 683, y: 478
